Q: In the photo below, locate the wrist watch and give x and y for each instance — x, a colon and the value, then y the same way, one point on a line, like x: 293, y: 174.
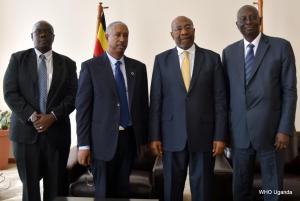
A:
x: 33, y: 117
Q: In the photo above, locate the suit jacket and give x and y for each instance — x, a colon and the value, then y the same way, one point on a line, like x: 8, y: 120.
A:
x: 98, y: 108
x: 21, y: 93
x: 267, y: 104
x: 197, y: 116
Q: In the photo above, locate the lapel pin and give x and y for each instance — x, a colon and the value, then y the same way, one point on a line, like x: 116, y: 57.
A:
x: 132, y: 73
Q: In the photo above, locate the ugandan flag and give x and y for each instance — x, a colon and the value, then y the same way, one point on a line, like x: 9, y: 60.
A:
x: 101, y: 42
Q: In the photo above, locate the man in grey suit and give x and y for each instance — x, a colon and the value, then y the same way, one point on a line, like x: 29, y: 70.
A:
x: 112, y: 116
x: 40, y: 87
x: 261, y: 77
x: 187, y: 113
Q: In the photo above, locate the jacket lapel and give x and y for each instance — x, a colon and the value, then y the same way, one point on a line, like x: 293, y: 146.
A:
x: 175, y: 68
x: 130, y: 74
x: 262, y: 48
x: 32, y: 65
x: 240, y: 59
x: 198, y: 62
x: 57, y: 72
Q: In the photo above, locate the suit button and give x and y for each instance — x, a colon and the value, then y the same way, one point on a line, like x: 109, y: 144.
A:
x: 118, y: 105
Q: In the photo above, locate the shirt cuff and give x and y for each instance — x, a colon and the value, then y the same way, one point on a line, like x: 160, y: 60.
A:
x: 84, y: 147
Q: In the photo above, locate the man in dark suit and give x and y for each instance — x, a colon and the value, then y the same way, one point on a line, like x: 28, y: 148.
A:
x: 187, y: 113
x: 261, y: 78
x: 112, y: 114
x: 40, y: 87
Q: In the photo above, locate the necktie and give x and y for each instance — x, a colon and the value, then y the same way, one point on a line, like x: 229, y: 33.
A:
x: 185, y: 70
x: 249, y: 61
x: 43, y: 83
x: 124, y: 111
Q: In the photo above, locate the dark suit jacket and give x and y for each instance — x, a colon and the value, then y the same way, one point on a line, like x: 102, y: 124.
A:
x: 197, y: 116
x: 267, y: 104
x: 21, y: 93
x: 98, y: 108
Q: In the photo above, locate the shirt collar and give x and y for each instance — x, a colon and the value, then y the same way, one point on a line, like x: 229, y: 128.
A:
x: 48, y: 54
x: 191, y: 50
x: 113, y: 60
x: 254, y: 42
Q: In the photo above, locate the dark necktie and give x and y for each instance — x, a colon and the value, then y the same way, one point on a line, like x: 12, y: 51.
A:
x: 124, y: 114
x: 43, y: 83
x: 249, y: 61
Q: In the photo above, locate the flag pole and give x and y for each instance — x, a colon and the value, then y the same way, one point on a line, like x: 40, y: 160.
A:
x: 99, y: 15
x: 260, y: 12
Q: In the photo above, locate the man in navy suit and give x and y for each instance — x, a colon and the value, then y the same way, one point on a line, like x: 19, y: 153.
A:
x: 112, y: 114
x: 261, y: 77
x: 187, y: 113
x: 40, y: 125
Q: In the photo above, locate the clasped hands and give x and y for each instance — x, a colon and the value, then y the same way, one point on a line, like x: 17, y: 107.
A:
x: 42, y: 122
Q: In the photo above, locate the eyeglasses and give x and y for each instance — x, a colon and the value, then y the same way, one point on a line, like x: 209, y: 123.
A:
x: 43, y: 31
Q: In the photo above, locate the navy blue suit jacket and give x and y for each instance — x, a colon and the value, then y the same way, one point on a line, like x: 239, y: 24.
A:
x: 267, y: 104
x: 197, y: 116
x: 98, y: 108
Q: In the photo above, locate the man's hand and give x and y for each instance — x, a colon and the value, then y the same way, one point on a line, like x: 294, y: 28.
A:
x: 43, y: 122
x: 84, y: 157
x: 218, y: 148
x: 156, y: 148
x: 281, y: 141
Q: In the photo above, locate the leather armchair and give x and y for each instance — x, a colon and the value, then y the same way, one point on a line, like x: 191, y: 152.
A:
x: 145, y: 175
x: 146, y: 179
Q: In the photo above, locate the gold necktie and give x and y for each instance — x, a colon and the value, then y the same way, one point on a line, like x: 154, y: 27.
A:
x: 185, y: 70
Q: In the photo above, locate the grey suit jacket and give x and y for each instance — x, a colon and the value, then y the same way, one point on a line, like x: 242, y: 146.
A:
x: 267, y: 104
x: 21, y: 93
x: 98, y: 108
x: 196, y: 117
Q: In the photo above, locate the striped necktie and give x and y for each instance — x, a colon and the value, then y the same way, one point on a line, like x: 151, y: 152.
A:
x: 42, y: 83
x: 249, y: 61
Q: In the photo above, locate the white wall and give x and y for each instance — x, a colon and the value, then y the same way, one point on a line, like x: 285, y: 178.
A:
x: 74, y: 23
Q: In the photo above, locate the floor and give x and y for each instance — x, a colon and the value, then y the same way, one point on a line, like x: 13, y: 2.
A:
x: 10, y: 184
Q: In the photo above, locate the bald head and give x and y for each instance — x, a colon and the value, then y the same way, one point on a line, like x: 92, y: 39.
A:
x: 178, y: 19
x: 42, y: 36
x: 248, y: 22
x: 183, y: 32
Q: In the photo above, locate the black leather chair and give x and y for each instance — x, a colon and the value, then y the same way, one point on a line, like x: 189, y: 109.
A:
x: 146, y: 179
x: 143, y: 178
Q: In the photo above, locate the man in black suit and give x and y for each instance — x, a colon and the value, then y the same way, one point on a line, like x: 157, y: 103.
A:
x: 261, y: 75
x: 40, y: 87
x: 187, y: 113
x: 112, y: 114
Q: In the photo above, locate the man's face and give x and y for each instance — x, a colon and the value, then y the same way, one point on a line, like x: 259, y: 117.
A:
x: 118, y: 39
x: 248, y: 22
x: 42, y: 36
x: 183, y: 32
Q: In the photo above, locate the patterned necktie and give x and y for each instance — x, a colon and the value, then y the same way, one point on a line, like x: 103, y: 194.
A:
x: 124, y: 111
x: 249, y: 61
x: 43, y: 83
x: 185, y: 70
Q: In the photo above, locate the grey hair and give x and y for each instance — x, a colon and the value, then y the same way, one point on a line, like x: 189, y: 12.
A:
x: 109, y: 28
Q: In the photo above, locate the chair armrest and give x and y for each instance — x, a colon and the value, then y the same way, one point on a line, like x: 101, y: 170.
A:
x: 157, y: 178
x: 74, y: 169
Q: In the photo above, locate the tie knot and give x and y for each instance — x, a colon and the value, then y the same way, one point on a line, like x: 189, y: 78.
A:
x: 186, y: 53
x: 250, y: 46
x: 118, y: 63
x: 42, y: 57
